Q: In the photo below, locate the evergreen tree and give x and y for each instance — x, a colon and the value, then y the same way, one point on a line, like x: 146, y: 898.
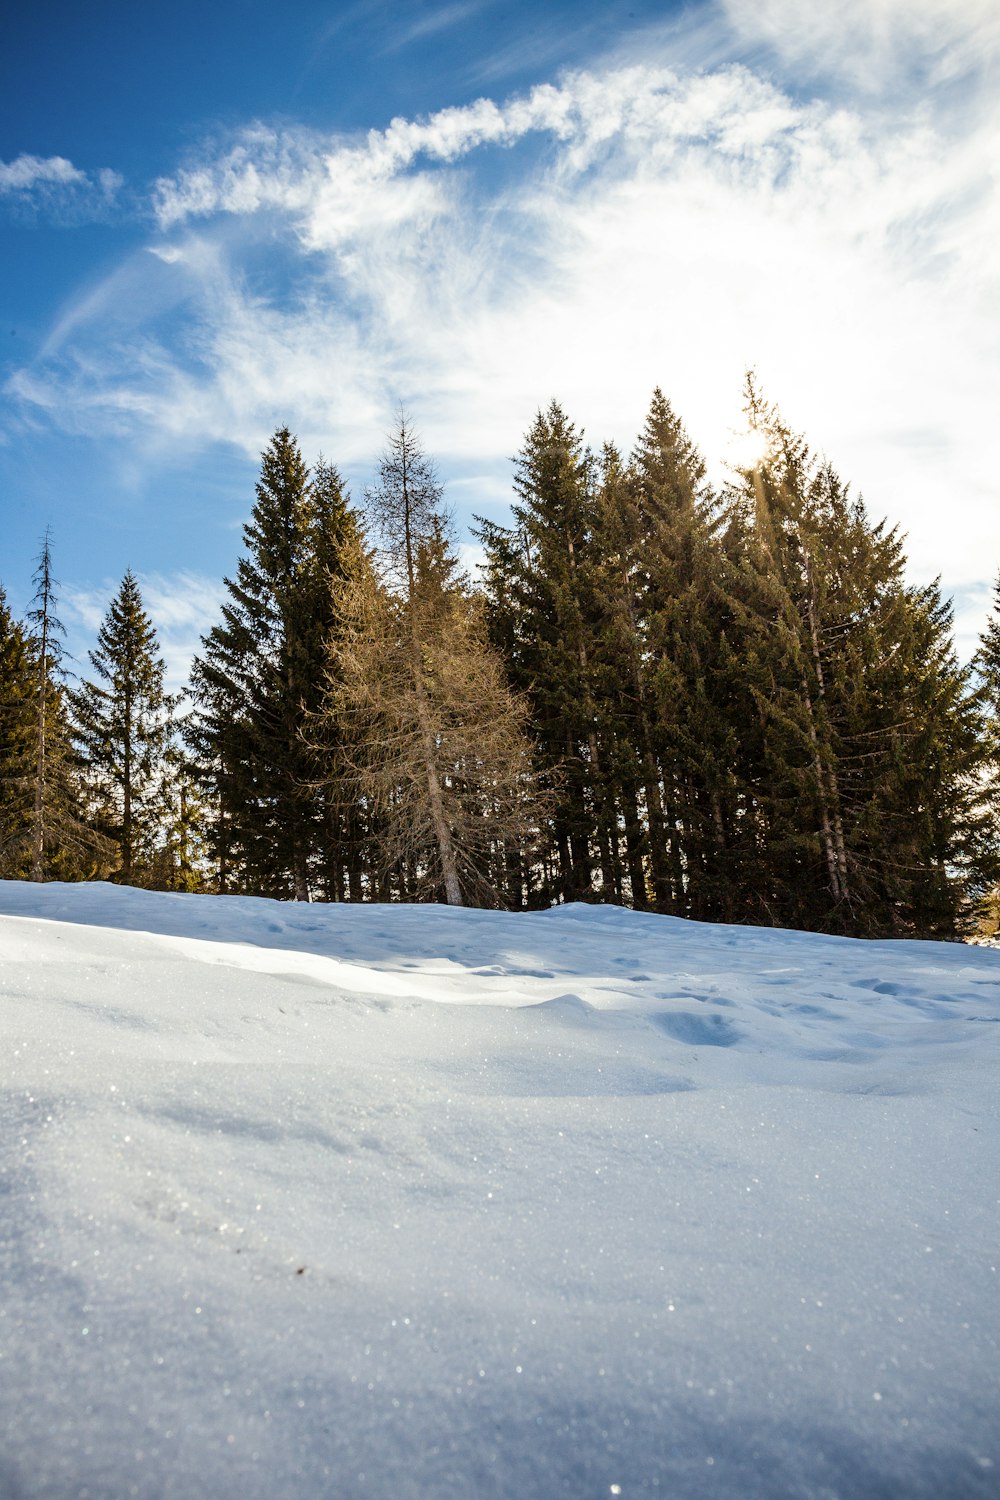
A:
x: 860, y: 755
x: 181, y: 860
x: 18, y: 746
x: 987, y: 666
x: 684, y: 729
x: 541, y: 586
x: 623, y: 690
x: 45, y: 834
x: 988, y: 659
x: 604, y: 602
x: 123, y: 728
x: 248, y: 686
x: 347, y: 853
x: 929, y: 846
x: 259, y: 679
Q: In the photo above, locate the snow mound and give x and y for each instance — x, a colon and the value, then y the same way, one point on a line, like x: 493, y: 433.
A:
x: 309, y: 1201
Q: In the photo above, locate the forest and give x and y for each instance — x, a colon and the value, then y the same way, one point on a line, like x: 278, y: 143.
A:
x: 722, y: 703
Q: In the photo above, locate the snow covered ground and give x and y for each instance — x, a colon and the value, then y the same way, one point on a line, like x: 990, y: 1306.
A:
x: 401, y: 1202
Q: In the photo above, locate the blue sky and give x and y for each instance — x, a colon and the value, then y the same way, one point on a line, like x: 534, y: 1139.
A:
x: 217, y: 219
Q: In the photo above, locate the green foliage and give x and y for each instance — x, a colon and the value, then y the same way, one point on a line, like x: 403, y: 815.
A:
x: 744, y: 710
x: 987, y: 668
x: 724, y: 706
x: 858, y: 768
x: 685, y: 729
x: 18, y: 725
x: 44, y: 833
x: 542, y: 615
x: 123, y: 727
x: 602, y: 599
x: 181, y: 859
x: 260, y: 677
x: 987, y: 663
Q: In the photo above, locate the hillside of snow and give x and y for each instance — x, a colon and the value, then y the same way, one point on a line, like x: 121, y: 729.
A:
x: 332, y: 1201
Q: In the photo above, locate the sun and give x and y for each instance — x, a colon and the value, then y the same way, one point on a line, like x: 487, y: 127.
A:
x: 748, y: 450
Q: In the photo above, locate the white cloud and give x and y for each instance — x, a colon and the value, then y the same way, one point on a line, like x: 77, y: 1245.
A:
x: 972, y: 605
x: 54, y: 183
x: 588, y: 240
x: 24, y: 172
x: 875, y: 44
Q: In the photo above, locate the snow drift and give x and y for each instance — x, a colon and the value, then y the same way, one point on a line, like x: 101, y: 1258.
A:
x: 412, y: 1202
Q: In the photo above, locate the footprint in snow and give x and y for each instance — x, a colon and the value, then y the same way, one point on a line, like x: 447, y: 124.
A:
x: 697, y: 1031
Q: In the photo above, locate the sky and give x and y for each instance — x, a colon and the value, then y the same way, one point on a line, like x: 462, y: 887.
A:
x: 218, y: 220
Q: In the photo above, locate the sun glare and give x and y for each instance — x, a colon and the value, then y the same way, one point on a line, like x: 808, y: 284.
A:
x: 747, y: 450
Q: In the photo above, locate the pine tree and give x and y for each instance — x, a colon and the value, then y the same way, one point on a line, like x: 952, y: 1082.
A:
x: 259, y: 681
x: 18, y: 729
x: 684, y: 730
x: 338, y: 555
x: 123, y: 728
x: 46, y: 834
x: 861, y: 750
x: 248, y: 686
x: 938, y: 853
x: 603, y: 600
x: 437, y: 750
x: 987, y: 666
x: 622, y: 686
x: 48, y: 652
x: 181, y: 860
x: 541, y: 585
x: 988, y: 658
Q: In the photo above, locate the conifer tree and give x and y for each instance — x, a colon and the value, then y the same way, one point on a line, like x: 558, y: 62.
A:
x: 934, y: 853
x: 604, y: 602
x: 541, y: 584
x: 181, y: 860
x: 248, y: 686
x: 987, y: 666
x: 622, y: 686
x: 45, y: 833
x: 684, y: 729
x: 124, y: 730
x: 338, y: 556
x: 438, y: 752
x: 48, y: 652
x: 988, y: 659
x: 259, y: 679
x: 18, y: 746
x: 861, y: 746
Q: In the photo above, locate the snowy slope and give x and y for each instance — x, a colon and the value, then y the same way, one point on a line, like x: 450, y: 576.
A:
x: 407, y: 1202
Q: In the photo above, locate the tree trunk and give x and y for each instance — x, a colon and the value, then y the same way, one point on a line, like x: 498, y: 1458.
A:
x: 826, y: 830
x: 840, y: 850
x: 602, y: 821
x: 439, y: 822
x: 657, y: 832
x: 633, y: 848
x: 126, y: 845
x: 300, y: 878
x: 38, y: 825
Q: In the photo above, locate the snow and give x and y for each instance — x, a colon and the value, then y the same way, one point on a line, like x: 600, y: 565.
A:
x: 333, y: 1201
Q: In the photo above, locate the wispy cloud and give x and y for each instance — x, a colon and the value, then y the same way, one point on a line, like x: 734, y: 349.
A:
x: 53, y: 185
x: 588, y: 239
x: 26, y: 172
x: 875, y: 44
x: 441, y: 18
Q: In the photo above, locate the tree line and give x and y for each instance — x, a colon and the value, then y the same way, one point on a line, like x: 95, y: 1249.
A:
x: 719, y: 703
